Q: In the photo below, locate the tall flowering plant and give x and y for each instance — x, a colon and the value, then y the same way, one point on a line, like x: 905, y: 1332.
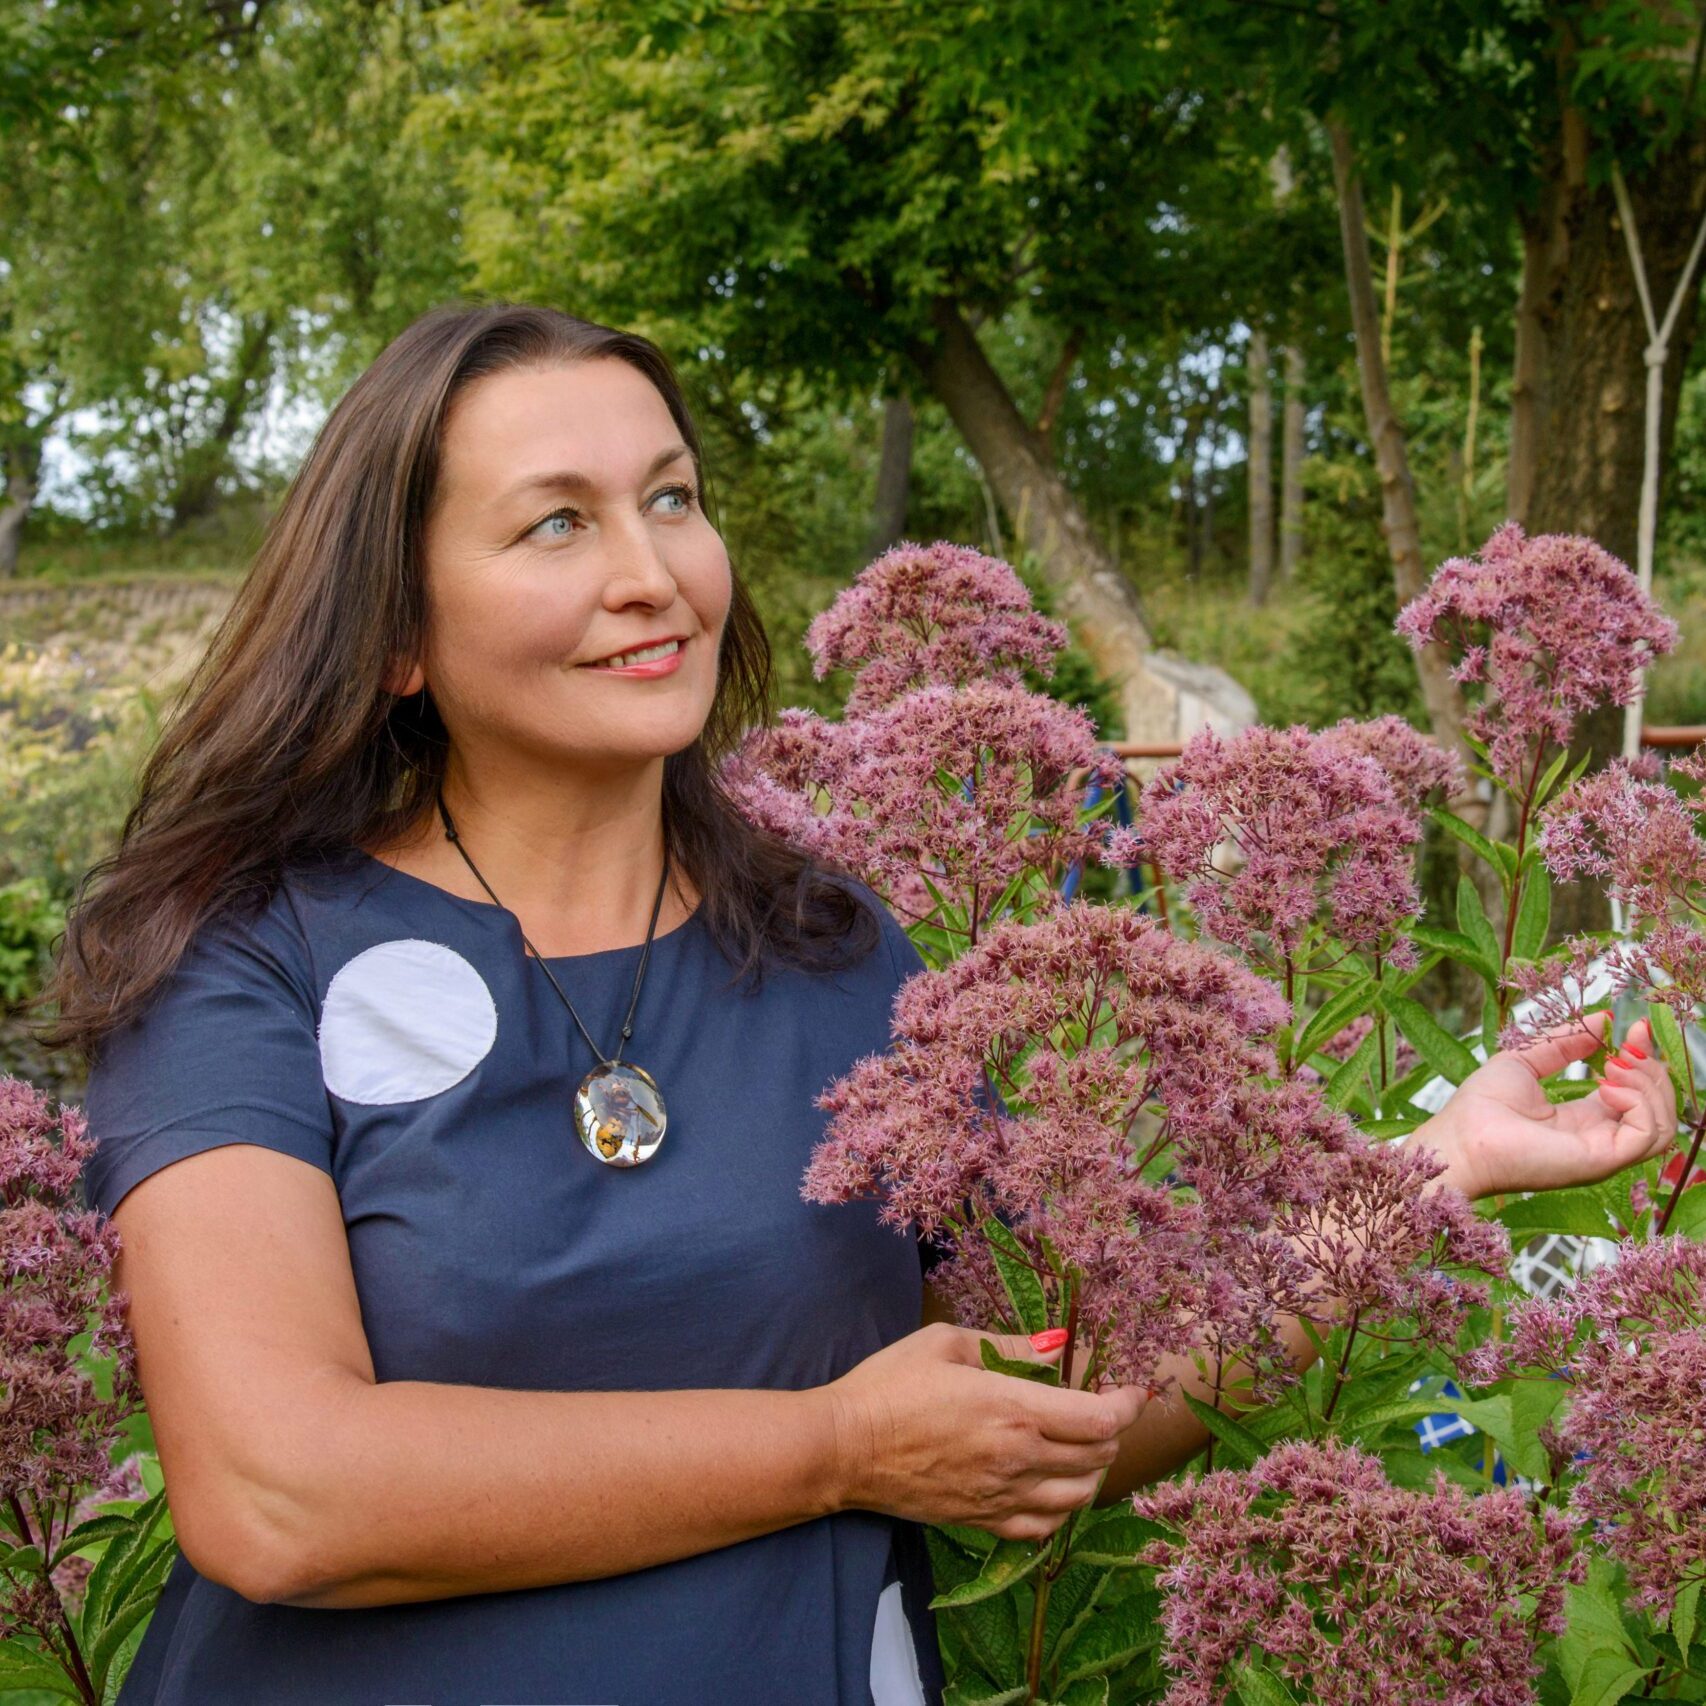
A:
x: 1188, y: 1129
x: 77, y: 1576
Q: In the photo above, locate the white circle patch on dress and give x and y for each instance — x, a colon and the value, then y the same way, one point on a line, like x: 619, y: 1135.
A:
x: 403, y: 1020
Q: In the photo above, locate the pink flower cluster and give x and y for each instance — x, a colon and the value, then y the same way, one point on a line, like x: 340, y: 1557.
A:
x: 1324, y: 821
x: 931, y: 613
x: 1553, y: 626
x: 56, y: 1431
x: 946, y: 772
x: 1152, y: 1150
x: 1630, y: 1339
x: 1358, y: 1592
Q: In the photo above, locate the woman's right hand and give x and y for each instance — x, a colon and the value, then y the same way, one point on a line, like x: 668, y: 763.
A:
x: 924, y: 1431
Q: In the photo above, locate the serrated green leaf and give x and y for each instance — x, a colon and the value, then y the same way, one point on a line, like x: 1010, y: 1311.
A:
x: 1087, y: 1691
x: 1334, y: 1014
x: 989, y: 1627
x: 1576, y: 1212
x: 1533, y: 915
x: 87, y: 1533
x: 1349, y: 1076
x: 1045, y: 1372
x: 1688, y: 1218
x: 133, y: 1600
x: 1114, y: 1541
x: 1606, y: 1678
x: 980, y: 1691
x: 1238, y: 1440
x: 1258, y: 1686
x: 27, y: 1668
x: 1471, y: 837
x: 1472, y: 920
x: 1683, y: 1612
x: 123, y: 1555
x: 1010, y: 1562
x: 1454, y: 945
x: 1667, y: 1033
x: 1545, y: 784
x: 1023, y: 1286
x: 1113, y: 1637
x: 1448, y: 1057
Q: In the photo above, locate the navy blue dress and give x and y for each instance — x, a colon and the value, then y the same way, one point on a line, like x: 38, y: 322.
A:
x: 394, y: 1035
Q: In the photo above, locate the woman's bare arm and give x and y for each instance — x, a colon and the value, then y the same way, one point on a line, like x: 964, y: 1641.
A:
x: 427, y: 1490
x: 294, y: 1477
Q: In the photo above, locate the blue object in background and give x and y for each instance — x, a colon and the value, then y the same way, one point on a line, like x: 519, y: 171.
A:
x: 1122, y: 816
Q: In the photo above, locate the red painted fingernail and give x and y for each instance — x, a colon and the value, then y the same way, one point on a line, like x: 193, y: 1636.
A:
x: 1639, y: 1053
x: 1049, y: 1340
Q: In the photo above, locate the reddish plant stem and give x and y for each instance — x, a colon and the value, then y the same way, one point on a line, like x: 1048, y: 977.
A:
x: 1344, y: 1364
x: 1682, y: 1178
x: 79, y: 1671
x: 1501, y: 995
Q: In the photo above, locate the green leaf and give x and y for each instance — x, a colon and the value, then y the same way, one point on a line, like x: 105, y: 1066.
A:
x: 1350, y: 1075
x: 1577, y: 1212
x: 1010, y: 1562
x: 87, y: 1533
x: 1454, y: 945
x: 980, y: 1691
x: 989, y: 1628
x: 1689, y: 1216
x: 978, y: 1541
x: 1533, y: 915
x: 1606, y: 1678
x: 1471, y: 838
x: 1336, y: 1012
x: 1023, y: 1285
x: 1258, y: 1686
x: 123, y: 1558
x: 128, y: 1606
x: 1472, y: 920
x: 1238, y: 1440
x: 1437, y: 1046
x: 1087, y: 1691
x: 1683, y: 1612
x: 1114, y: 1541
x: 1071, y: 1602
x: 1667, y: 1033
x: 1544, y: 786
x: 1114, y: 1637
x: 1048, y: 1373
x: 24, y: 1667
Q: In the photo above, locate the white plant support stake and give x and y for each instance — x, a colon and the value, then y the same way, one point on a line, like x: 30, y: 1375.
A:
x: 1657, y: 353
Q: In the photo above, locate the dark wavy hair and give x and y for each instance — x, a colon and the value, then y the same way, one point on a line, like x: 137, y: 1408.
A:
x: 284, y: 746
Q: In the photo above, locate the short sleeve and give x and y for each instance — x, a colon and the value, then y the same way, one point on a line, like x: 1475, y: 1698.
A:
x: 225, y: 1051
x: 907, y: 960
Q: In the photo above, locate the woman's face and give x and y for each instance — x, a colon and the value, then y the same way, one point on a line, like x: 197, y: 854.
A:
x: 566, y: 528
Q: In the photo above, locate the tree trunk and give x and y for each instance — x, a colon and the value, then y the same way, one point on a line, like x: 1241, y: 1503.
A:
x: 1091, y: 593
x: 894, y: 477
x: 23, y: 472
x: 1291, y: 466
x: 1261, y: 470
x: 1579, y: 433
x: 1397, y: 488
x: 212, y: 456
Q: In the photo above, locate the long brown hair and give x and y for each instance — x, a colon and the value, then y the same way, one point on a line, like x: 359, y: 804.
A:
x: 284, y: 744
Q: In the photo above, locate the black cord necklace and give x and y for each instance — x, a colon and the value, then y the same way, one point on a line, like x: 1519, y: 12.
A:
x: 618, y: 1110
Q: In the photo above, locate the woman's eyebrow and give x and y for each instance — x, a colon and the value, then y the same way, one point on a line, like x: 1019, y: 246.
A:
x: 567, y: 480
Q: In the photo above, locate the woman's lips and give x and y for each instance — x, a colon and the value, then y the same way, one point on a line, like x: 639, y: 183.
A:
x: 644, y: 671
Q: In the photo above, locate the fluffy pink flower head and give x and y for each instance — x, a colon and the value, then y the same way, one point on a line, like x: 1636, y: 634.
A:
x: 925, y: 614
x: 56, y: 1431
x: 1553, y: 626
x: 1630, y: 1339
x: 1316, y: 821
x: 1181, y: 1044
x: 1317, y: 1560
x: 1667, y: 965
x: 886, y: 797
x: 1415, y: 764
x: 1638, y: 835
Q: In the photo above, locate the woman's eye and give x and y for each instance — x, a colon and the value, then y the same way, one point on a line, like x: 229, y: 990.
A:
x: 543, y: 529
x: 563, y: 515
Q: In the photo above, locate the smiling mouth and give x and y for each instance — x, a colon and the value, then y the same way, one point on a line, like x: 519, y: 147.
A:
x: 643, y: 654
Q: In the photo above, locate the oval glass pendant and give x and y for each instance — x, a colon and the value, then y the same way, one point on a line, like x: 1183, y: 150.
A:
x: 619, y: 1114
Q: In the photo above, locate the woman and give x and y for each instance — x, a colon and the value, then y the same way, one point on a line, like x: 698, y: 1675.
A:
x: 557, y: 1394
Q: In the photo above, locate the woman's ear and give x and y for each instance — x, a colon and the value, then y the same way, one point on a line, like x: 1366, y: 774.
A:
x: 402, y: 682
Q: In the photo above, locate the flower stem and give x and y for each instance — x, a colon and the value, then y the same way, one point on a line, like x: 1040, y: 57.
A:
x: 1344, y: 1364
x: 78, y: 1671
x: 1682, y: 1178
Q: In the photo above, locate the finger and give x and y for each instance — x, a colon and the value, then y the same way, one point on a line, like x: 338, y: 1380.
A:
x: 1051, y: 1457
x: 1015, y: 1346
x: 1556, y: 1046
x: 1075, y: 1417
x: 1061, y: 1493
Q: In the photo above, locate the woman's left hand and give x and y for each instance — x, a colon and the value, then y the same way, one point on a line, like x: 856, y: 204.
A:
x: 1498, y: 1132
